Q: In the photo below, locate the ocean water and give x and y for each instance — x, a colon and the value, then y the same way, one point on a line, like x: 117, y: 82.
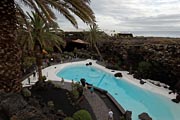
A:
x: 131, y: 97
x: 173, y: 34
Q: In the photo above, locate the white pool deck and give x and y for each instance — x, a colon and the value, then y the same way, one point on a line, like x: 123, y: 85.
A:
x: 50, y: 73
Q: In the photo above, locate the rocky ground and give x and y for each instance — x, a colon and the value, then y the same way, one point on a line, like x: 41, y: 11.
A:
x: 40, y: 103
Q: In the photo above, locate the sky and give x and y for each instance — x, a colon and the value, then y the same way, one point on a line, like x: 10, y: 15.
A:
x: 141, y: 17
x: 133, y: 16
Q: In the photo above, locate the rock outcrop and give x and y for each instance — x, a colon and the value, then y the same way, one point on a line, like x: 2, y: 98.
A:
x: 142, y: 82
x: 144, y: 116
x: 118, y: 74
x: 177, y: 100
x: 128, y: 115
x: 13, y: 106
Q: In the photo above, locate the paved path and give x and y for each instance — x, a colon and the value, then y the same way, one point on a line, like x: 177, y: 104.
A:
x: 98, y: 106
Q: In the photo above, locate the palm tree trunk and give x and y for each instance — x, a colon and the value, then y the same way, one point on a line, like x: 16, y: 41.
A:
x: 101, y: 58
x: 38, y: 55
x: 10, y: 53
x: 39, y: 65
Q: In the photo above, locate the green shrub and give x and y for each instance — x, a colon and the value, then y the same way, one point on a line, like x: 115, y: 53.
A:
x: 49, y: 82
x: 77, y: 85
x: 44, y: 78
x: 26, y: 92
x: 122, y: 118
x: 144, y: 69
x: 71, y: 54
x: 68, y: 118
x: 50, y: 104
x: 57, y: 86
x: 28, y: 61
x: 49, y: 49
x: 75, y: 94
x: 82, y: 115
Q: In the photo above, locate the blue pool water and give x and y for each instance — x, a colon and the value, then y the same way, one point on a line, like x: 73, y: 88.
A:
x: 128, y: 95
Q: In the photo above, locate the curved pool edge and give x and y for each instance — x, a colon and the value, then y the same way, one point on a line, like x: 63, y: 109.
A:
x: 52, y: 71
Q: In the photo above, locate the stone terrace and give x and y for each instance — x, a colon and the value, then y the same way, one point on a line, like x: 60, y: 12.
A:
x: 99, y: 107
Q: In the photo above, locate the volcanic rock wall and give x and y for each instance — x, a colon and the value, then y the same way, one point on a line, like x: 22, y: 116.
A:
x: 163, y: 54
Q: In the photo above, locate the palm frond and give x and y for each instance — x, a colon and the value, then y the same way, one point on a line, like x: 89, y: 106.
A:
x: 81, y: 7
x: 27, y: 3
x: 68, y: 8
x: 60, y: 6
x: 42, y: 35
x: 23, y: 23
x: 45, y: 9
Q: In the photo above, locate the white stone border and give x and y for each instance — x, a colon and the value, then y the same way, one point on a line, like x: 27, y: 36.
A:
x: 50, y: 73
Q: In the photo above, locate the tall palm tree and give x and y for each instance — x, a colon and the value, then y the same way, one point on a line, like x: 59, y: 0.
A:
x: 41, y: 37
x: 94, y: 37
x: 10, y: 53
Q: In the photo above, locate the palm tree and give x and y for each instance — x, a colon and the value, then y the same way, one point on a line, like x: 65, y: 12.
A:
x: 10, y: 52
x: 94, y: 37
x: 68, y: 8
x: 41, y: 37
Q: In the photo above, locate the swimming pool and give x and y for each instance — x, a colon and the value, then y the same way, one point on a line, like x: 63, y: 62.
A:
x: 131, y: 97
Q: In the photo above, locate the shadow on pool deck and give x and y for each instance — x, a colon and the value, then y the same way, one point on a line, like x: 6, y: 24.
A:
x: 99, y: 102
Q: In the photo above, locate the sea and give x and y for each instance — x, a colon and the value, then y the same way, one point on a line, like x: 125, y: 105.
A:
x: 171, y: 34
